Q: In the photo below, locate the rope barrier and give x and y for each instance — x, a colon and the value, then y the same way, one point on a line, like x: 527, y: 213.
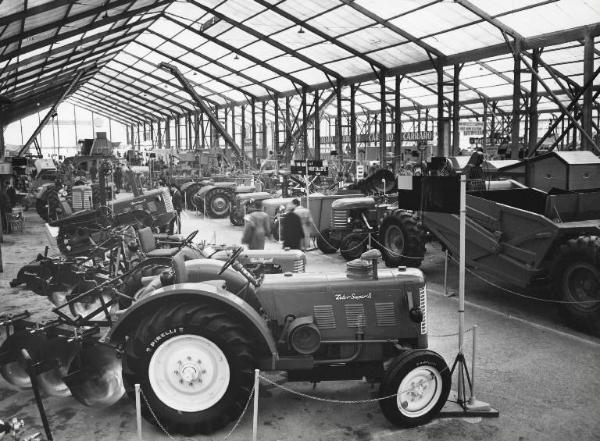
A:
x: 525, y: 296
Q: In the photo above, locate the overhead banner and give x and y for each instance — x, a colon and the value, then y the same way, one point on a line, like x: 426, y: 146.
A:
x: 313, y: 166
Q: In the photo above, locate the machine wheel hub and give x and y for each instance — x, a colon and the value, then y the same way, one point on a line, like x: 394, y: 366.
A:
x: 419, y: 391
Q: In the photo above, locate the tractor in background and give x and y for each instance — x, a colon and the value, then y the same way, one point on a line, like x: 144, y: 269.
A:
x: 245, y: 203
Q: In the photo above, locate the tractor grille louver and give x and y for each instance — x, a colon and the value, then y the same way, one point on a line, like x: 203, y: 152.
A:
x: 386, y: 314
x: 423, y: 307
x: 339, y: 219
x: 324, y: 316
x: 168, y: 202
x: 299, y: 266
x: 355, y: 315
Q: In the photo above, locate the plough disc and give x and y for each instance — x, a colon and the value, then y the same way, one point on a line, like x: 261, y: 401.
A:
x: 13, y: 368
x: 51, y: 382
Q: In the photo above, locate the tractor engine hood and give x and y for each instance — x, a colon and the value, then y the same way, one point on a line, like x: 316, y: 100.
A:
x: 342, y: 305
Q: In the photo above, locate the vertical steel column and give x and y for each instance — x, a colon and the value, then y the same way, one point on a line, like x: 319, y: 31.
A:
x: 317, y: 123
x: 189, y: 131
x: 516, y: 104
x: 455, y: 110
x: 177, y: 133
x: 75, y: 128
x: 152, y: 133
x: 264, y: 129
x: 196, y: 130
x: 94, y: 127
x: 168, y: 133
x: 253, y: 109
x: 159, y: 135
x: 382, y: 122
x: 440, y: 110
x: 288, y: 129
x: 138, y: 136
x: 562, y: 130
x: 276, y: 129
x: 202, y: 131
x: 575, y: 138
x: 353, y: 121
x: 338, y: 119
x: 588, y: 72
x: 243, y: 131
x: 533, y: 102
x: 305, y: 154
x: 397, y: 127
x: 485, y: 127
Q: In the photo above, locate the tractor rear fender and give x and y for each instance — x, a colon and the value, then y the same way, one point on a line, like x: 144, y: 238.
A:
x: 202, y: 293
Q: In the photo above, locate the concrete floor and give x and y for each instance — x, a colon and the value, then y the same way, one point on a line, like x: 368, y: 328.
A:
x: 542, y: 376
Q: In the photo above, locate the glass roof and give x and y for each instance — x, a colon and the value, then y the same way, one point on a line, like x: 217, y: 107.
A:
x: 234, y: 51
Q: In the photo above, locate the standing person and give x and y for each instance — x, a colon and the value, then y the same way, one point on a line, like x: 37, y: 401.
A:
x: 93, y: 172
x: 177, y: 201
x: 12, y: 194
x: 256, y: 228
x: 292, y: 228
x: 306, y: 220
x: 118, y: 176
x: 5, y: 209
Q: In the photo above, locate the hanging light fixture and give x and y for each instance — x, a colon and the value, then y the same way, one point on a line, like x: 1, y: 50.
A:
x: 236, y: 57
x: 301, y: 30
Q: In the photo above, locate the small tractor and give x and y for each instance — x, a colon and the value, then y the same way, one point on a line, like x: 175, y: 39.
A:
x: 216, y: 198
x: 193, y: 336
x: 245, y: 203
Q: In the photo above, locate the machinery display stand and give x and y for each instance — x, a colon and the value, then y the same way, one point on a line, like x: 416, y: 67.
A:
x: 458, y: 405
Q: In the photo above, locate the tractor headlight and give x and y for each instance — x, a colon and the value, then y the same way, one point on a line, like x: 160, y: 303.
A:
x: 304, y: 336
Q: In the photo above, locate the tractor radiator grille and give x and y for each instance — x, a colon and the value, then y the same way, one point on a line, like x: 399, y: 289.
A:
x: 299, y: 266
x: 423, y: 307
x: 386, y: 314
x: 339, y: 219
x: 355, y: 315
x: 168, y: 202
x: 324, y: 316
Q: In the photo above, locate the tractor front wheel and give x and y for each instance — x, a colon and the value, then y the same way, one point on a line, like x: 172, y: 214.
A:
x: 402, y: 240
x: 353, y: 245
x: 218, y: 202
x: 417, y: 384
x: 195, y: 366
x: 575, y: 280
x: 326, y: 243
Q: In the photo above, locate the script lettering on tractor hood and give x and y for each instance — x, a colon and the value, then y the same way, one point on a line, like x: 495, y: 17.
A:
x: 353, y: 296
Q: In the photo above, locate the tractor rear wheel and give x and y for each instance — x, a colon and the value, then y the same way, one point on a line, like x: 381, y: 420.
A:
x: 575, y: 277
x: 326, y: 243
x: 195, y: 366
x: 133, y: 282
x: 402, y: 240
x: 73, y: 243
x: 54, y: 206
x: 353, y: 245
x: 218, y: 202
x: 420, y: 382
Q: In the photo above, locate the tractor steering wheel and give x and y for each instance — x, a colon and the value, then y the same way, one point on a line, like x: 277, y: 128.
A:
x: 188, y: 240
x: 231, y: 259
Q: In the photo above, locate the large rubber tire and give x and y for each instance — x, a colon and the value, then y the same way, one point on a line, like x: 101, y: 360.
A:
x: 326, y: 243
x: 218, y: 202
x: 575, y: 277
x: 403, y: 240
x: 421, y: 379
x: 209, y: 330
x: 189, y: 195
x: 133, y: 282
x: 353, y: 245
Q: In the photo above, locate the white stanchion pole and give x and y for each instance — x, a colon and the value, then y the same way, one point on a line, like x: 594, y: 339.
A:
x: 446, y: 273
x: 472, y: 397
x: 461, y: 283
x: 138, y: 412
x: 255, y: 416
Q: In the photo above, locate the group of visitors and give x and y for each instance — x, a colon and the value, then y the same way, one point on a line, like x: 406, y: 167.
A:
x: 296, y: 225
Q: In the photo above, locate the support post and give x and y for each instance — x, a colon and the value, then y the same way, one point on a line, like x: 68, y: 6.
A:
x: 455, y: 110
x: 485, y: 125
x: 317, y: 123
x: 588, y: 71
x: 255, y: 414
x: 158, y: 130
x: 461, y: 281
x: 305, y: 153
x: 382, y: 121
x: 138, y: 412
x: 397, y: 127
x: 276, y: 130
x: 353, y: 88
x: 440, y: 110
x: 264, y: 129
x: 533, y: 101
x: 516, y: 104
x: 243, y: 132
x: 338, y: 120
x: 253, y: 110
x: 168, y: 133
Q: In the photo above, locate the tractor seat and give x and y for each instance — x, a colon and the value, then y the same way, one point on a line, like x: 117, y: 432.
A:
x: 148, y: 243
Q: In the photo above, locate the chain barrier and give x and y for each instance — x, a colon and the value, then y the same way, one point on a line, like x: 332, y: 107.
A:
x: 448, y: 335
x: 518, y: 294
x: 333, y: 246
x: 171, y: 437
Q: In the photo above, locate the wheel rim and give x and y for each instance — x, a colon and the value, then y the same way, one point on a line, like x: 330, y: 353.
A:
x: 581, y: 283
x: 189, y: 373
x: 219, y: 205
x: 419, y: 391
x: 394, y: 239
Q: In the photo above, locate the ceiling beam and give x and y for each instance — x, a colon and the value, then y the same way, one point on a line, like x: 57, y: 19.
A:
x: 103, y: 105
x: 103, y: 113
x: 99, y: 97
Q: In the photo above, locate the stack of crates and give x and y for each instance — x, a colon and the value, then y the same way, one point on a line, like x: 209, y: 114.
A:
x: 82, y: 197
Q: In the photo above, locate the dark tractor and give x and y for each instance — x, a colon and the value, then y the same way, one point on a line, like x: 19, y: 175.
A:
x: 216, y: 199
x: 359, y: 222
x: 244, y: 203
